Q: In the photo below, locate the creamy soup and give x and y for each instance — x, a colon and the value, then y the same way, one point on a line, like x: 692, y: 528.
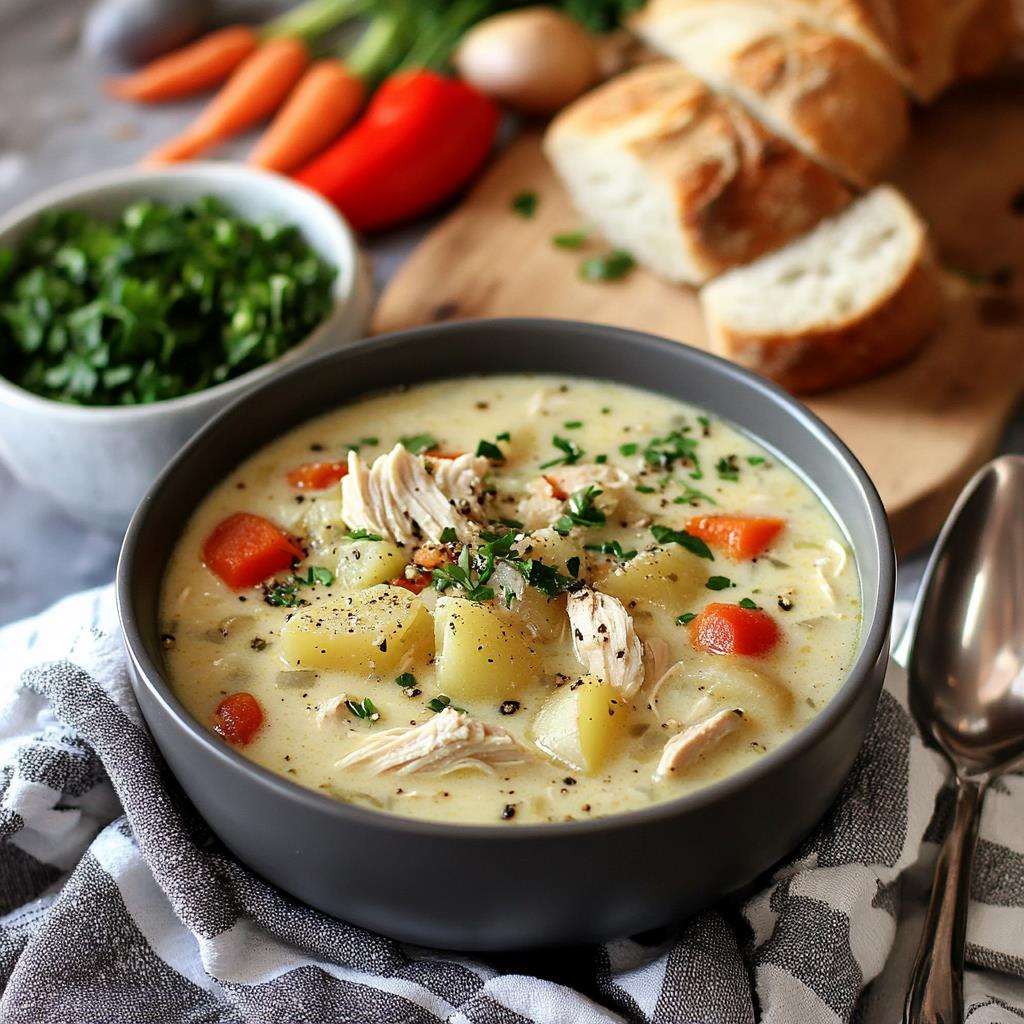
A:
x: 510, y: 599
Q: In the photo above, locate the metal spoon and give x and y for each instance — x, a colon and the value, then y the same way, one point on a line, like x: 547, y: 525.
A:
x: 966, y: 686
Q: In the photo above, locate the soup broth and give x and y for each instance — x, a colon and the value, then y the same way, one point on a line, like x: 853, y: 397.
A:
x: 510, y: 599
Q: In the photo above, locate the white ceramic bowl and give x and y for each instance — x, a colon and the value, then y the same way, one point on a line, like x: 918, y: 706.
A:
x: 98, y: 461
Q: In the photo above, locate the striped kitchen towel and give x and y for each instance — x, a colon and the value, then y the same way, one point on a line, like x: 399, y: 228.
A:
x: 120, y: 906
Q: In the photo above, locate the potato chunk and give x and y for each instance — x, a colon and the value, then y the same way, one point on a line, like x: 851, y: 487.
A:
x: 665, y: 577
x: 580, y: 723
x: 480, y: 655
x: 364, y: 563
x: 369, y: 630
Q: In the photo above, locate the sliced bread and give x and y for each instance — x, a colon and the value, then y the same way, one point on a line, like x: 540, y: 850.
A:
x: 917, y: 39
x: 856, y: 295
x: 821, y: 91
x: 682, y: 177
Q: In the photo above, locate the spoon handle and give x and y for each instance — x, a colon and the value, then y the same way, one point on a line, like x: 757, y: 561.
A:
x: 936, y: 994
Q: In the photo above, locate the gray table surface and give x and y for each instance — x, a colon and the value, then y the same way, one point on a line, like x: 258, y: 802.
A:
x: 55, y: 124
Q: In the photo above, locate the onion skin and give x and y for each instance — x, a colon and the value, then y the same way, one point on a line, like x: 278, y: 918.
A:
x: 534, y: 60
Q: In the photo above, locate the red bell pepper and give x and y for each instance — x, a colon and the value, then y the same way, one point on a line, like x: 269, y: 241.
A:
x: 423, y: 136
x: 316, y: 476
x: 238, y: 718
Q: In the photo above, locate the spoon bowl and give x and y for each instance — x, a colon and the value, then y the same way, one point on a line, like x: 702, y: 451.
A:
x: 966, y: 687
x: 966, y: 667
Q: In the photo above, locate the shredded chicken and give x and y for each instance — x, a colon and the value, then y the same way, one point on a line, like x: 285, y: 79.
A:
x: 399, y: 500
x: 605, y: 641
x: 545, y: 496
x: 834, y: 562
x: 460, y: 479
x: 445, y: 743
x: 685, y: 747
x: 333, y: 708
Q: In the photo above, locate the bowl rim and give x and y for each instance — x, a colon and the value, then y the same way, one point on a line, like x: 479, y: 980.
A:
x: 345, y: 257
x: 874, y: 636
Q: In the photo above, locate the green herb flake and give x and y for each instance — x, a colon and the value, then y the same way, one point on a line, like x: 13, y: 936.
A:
x: 756, y: 460
x: 631, y: 448
x: 418, y: 443
x: 573, y: 424
x: 581, y: 510
x: 571, y: 453
x: 612, y: 266
x: 570, y: 240
x: 405, y: 679
x: 364, y: 709
x: 666, y: 535
x: 613, y: 548
x: 600, y: 460
x: 749, y: 604
x: 448, y: 535
x: 644, y: 489
x: 525, y: 204
x: 691, y: 496
x: 489, y: 450
x: 361, y: 534
x: 439, y: 703
x: 686, y: 617
x: 719, y: 583
x: 728, y: 468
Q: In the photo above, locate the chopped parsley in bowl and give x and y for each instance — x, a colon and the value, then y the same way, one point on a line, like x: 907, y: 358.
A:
x: 163, y: 301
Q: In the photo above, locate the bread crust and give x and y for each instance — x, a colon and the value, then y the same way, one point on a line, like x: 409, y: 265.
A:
x: 838, y: 355
x: 821, y: 91
x: 738, y: 191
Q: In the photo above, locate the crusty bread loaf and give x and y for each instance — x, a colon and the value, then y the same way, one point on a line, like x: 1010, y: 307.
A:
x: 683, y: 178
x: 856, y: 295
x: 917, y: 39
x: 819, y: 90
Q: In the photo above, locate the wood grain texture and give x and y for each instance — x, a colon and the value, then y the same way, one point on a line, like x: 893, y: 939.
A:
x: 921, y: 430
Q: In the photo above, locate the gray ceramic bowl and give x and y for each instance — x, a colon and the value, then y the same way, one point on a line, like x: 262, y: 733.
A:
x: 490, y: 887
x: 98, y: 461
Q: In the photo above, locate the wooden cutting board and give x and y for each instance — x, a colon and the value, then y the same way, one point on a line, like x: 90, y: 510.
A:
x: 920, y: 431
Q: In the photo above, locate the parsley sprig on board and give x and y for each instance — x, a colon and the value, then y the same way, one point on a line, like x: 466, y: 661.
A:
x: 162, y: 302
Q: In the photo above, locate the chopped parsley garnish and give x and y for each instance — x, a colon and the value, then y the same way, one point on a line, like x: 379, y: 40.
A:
x: 749, y: 604
x: 612, y: 547
x: 405, y: 679
x: 665, y: 452
x: 364, y: 709
x: 362, y: 534
x: 157, y: 302
x: 285, y: 593
x: 512, y: 524
x: 686, y: 617
x: 756, y: 460
x: 489, y: 450
x: 448, y: 535
x: 728, y: 468
x: 644, y: 489
x: 611, y: 266
x: 418, y: 443
x: 705, y: 425
x: 691, y: 496
x: 571, y: 453
x: 600, y: 459
x: 573, y: 424
x: 719, y: 583
x: 439, y: 703
x: 581, y: 510
x: 666, y: 535
x: 525, y: 204
x: 629, y: 449
x: 481, y: 563
x: 545, y: 578
x: 573, y: 565
x: 570, y: 239
x: 354, y: 446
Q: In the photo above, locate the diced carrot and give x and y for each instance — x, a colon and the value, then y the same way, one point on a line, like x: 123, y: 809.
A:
x: 244, y: 550
x: 730, y: 629
x: 316, y: 476
x: 238, y: 718
x: 430, y: 557
x: 415, y: 586
x: 739, y: 537
x: 556, y: 490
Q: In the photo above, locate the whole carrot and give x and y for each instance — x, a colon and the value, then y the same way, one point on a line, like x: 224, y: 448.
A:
x: 192, y: 69
x: 323, y: 103
x: 329, y: 97
x: 254, y: 91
